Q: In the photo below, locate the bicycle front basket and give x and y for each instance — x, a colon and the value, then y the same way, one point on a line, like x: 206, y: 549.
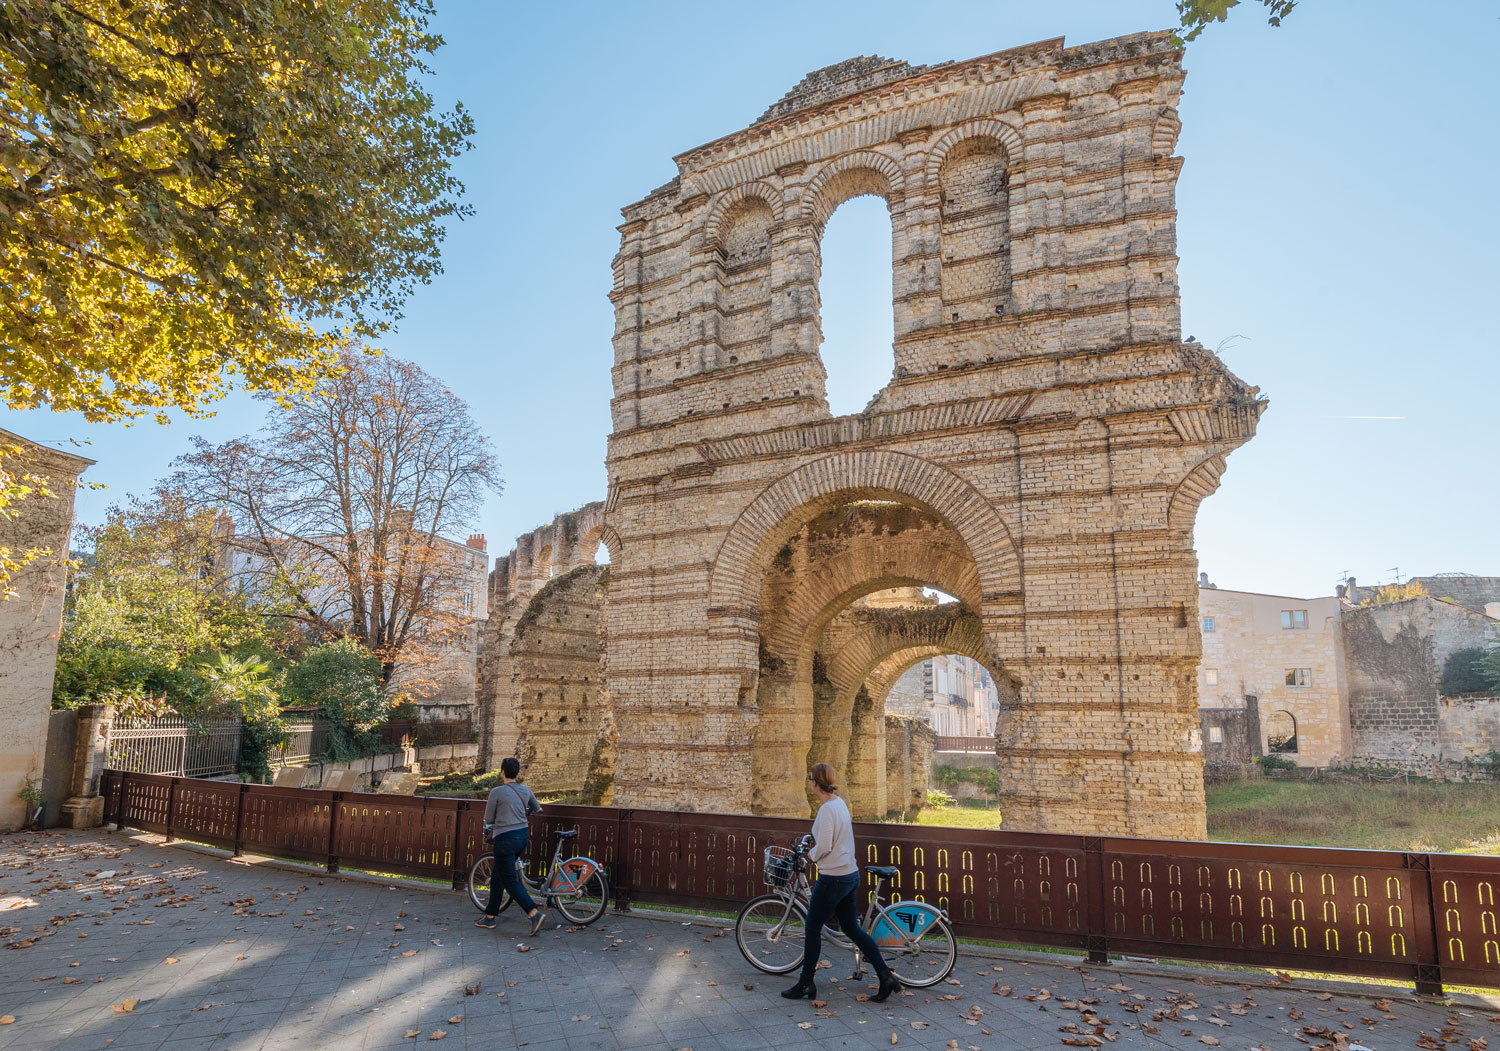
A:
x: 778, y: 867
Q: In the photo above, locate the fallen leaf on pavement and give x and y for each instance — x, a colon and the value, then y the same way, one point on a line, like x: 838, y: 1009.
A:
x: 473, y: 990
x: 820, y: 1003
x: 893, y: 1038
x: 805, y: 1025
x: 683, y: 952
x: 411, y: 952
x: 7, y: 1019
x: 125, y: 1005
x: 1211, y: 1041
x: 455, y: 1020
x: 580, y: 1018
x: 919, y: 1025
x: 171, y: 959
x: 438, y: 1034
x: 412, y: 1033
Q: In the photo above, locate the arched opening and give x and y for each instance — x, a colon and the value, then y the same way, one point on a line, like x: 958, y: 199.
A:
x: 975, y: 230
x: 856, y: 309
x: 1281, y: 733
x: 841, y: 598
x: 601, y: 554
x: 542, y: 565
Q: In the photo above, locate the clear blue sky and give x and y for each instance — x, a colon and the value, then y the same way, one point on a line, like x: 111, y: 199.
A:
x: 1338, y: 207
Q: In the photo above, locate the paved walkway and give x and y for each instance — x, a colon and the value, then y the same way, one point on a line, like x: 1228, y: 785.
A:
x: 113, y: 940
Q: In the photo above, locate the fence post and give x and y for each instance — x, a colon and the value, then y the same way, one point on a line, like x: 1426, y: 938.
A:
x: 124, y: 807
x: 1095, y: 939
x: 171, y: 806
x: 1427, y: 974
x: 239, y: 820
x: 460, y: 870
x: 333, y: 830
x: 622, y: 861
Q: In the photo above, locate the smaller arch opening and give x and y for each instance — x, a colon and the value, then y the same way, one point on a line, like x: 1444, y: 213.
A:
x: 1281, y: 733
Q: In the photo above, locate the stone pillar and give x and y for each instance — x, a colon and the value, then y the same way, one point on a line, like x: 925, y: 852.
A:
x: 84, y: 807
x: 31, y: 619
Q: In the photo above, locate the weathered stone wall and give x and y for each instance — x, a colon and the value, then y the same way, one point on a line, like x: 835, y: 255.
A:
x: 567, y: 543
x: 1394, y: 655
x: 1047, y: 429
x: 558, y: 657
x: 1239, y: 731
x: 31, y: 621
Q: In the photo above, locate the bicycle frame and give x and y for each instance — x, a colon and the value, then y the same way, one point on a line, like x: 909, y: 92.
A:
x: 879, y: 920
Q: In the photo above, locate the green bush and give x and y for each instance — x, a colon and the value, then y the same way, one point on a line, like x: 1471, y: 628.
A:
x: 342, y: 680
x: 952, y: 776
x: 936, y: 797
x: 1275, y: 762
x: 1467, y: 671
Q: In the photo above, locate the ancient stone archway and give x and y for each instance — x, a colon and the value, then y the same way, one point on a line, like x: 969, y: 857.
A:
x: 1043, y: 408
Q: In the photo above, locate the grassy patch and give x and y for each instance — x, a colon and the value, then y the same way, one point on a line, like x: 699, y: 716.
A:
x: 1421, y: 816
x: 966, y: 813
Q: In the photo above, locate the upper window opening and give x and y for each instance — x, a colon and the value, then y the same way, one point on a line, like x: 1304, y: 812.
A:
x: 601, y: 555
x: 855, y: 303
x: 1293, y: 619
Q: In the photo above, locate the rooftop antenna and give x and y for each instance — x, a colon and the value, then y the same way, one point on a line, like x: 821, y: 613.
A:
x: 1396, y: 570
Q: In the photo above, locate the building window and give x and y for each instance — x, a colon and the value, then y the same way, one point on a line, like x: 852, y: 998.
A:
x: 1299, y: 676
x: 1215, y: 735
x: 468, y: 601
x: 1208, y: 624
x: 1293, y: 619
x: 1211, y: 676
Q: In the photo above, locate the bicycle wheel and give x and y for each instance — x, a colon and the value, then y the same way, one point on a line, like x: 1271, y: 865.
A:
x: 479, y: 884
x: 771, y: 938
x: 922, y: 952
x: 581, y: 892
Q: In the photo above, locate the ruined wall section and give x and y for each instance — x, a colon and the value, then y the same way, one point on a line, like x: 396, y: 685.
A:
x: 566, y: 543
x: 1394, y: 656
x: 1041, y: 404
x: 558, y: 655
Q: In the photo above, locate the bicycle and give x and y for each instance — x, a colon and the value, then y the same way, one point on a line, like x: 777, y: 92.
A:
x: 914, y: 937
x: 575, y: 887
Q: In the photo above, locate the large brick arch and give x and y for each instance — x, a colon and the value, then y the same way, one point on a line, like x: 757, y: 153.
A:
x: 1007, y: 136
x: 802, y: 494
x: 1201, y: 483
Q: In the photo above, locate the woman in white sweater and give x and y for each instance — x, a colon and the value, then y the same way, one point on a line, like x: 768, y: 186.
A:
x: 833, y: 894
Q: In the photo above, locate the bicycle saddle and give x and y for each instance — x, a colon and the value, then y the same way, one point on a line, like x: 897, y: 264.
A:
x: 568, y: 834
x: 882, y: 871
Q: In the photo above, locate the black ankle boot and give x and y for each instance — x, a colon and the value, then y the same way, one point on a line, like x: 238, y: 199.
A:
x: 803, y: 989
x: 888, y: 984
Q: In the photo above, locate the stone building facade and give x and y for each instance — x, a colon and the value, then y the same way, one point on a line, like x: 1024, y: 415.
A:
x: 1039, y: 453
x: 1287, y: 655
x: 31, y: 620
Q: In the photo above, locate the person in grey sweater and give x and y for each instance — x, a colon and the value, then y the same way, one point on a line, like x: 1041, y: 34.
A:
x: 506, y: 813
x: 833, y: 894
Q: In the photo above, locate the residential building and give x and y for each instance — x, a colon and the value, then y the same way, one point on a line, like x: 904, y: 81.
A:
x: 1283, y: 656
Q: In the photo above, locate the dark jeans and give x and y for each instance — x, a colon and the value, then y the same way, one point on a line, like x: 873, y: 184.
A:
x: 834, y: 896
x: 508, y: 846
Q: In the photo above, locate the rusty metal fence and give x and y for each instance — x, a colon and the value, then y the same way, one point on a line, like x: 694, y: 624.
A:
x: 170, y: 744
x: 1425, y: 918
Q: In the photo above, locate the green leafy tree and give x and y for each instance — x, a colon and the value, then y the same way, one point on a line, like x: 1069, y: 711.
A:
x: 1197, y: 14
x: 201, y: 190
x: 341, y: 679
x: 149, y: 602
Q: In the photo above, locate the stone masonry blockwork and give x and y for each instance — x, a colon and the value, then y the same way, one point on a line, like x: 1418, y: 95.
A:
x: 1045, y: 422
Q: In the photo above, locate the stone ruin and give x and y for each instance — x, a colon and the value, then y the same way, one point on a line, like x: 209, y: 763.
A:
x: 1039, y: 454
